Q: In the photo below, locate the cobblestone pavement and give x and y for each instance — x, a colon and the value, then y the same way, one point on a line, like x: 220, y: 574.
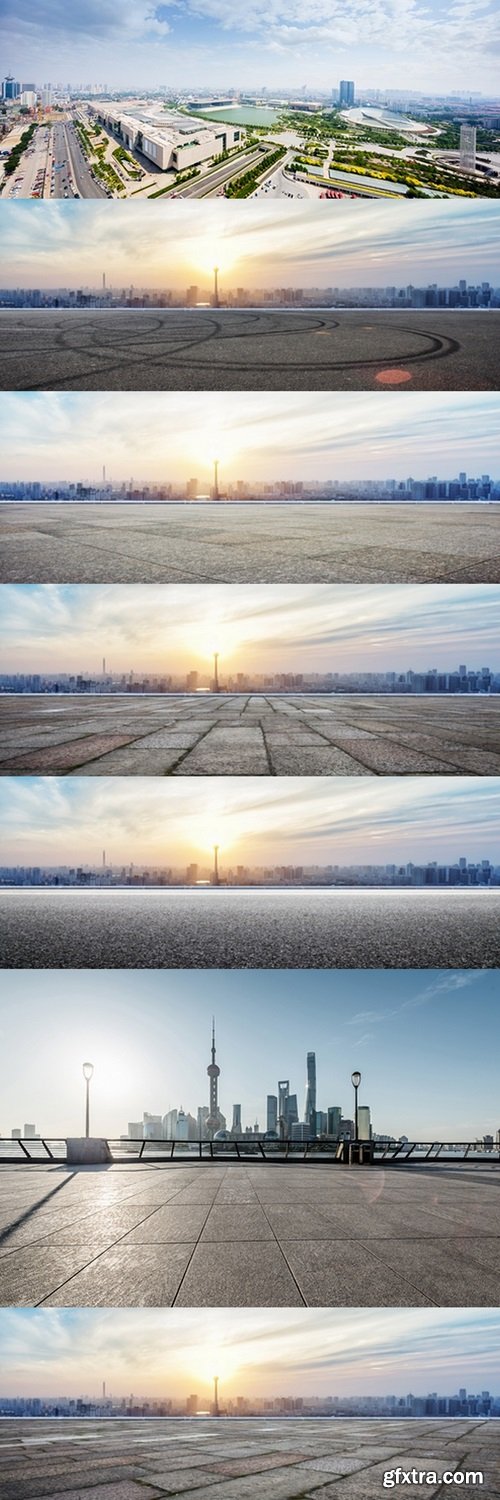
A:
x: 219, y: 735
x: 222, y: 1235
x: 254, y: 1459
x: 258, y: 543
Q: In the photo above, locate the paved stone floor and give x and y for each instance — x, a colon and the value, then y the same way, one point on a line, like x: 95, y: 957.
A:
x: 361, y: 349
x: 255, y: 543
x: 208, y: 735
x: 243, y: 1459
x: 210, y: 1235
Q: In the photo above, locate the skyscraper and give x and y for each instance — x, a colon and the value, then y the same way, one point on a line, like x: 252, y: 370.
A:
x: 272, y: 1112
x: 310, y: 1102
x: 346, y: 92
x: 236, y: 1126
x: 468, y: 136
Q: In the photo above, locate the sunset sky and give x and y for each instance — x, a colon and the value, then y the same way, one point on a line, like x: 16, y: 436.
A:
x: 157, y: 436
x: 315, y: 628
x: 255, y: 1351
x: 367, y: 1019
x: 286, y: 44
x: 263, y: 246
x: 55, y: 820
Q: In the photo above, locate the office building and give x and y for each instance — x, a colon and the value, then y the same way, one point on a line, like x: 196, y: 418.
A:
x: 468, y: 135
x: 346, y: 93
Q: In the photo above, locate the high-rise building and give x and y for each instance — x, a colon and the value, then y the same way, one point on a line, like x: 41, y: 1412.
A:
x: 334, y: 1116
x: 346, y: 92
x: 11, y: 89
x: 468, y: 136
x: 236, y: 1125
x: 364, y: 1123
x: 272, y: 1113
x: 310, y: 1101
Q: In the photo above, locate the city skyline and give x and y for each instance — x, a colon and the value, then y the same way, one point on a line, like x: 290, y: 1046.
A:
x: 167, y: 46
x: 68, y: 821
x: 299, y: 246
x: 364, y: 1019
x: 72, y: 435
x: 253, y: 628
x: 323, y: 1351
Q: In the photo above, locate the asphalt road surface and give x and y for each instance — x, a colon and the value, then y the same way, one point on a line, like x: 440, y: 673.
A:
x: 226, y: 928
x: 236, y: 734
x: 256, y: 543
x: 51, y: 349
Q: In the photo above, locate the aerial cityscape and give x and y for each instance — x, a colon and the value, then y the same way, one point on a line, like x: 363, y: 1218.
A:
x: 253, y: 638
x: 82, y: 446
x: 263, y: 1352
x: 60, y: 142
x: 293, y: 830
x: 318, y: 262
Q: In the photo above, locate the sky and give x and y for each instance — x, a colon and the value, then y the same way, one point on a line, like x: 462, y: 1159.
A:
x: 275, y: 43
x: 159, y: 436
x: 176, y: 628
x: 54, y: 820
x: 255, y: 1351
x: 263, y: 246
x: 367, y: 1019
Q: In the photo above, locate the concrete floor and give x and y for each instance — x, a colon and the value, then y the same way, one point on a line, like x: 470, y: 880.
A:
x: 253, y: 350
x: 255, y: 543
x: 256, y: 1458
x: 209, y: 1235
x: 270, y: 1458
x: 208, y: 735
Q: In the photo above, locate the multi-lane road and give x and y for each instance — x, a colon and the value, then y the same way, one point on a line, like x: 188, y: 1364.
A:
x: 53, y: 166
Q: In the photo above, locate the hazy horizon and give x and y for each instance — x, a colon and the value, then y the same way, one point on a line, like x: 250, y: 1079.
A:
x: 341, y: 1351
x: 157, y: 435
x: 267, y: 246
x: 357, y: 1018
x: 173, y: 628
x: 69, y: 820
x: 293, y: 43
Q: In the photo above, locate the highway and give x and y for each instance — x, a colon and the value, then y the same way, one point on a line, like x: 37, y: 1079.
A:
x: 211, y: 184
x: 158, y: 349
x: 75, y: 172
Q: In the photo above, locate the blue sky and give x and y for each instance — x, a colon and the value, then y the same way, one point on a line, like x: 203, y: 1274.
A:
x: 163, y: 436
x: 277, y: 44
x: 54, y: 820
x: 277, y: 1351
x: 426, y: 1071
x: 257, y: 247
x: 261, y: 628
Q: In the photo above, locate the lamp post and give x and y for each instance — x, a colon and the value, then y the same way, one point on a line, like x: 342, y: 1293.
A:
x: 216, y: 286
x: 88, y: 1069
x: 356, y: 1080
x: 216, y: 1396
x: 216, y: 864
x: 216, y: 479
x: 216, y: 671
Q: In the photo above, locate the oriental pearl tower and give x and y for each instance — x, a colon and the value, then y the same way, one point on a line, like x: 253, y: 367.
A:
x: 214, y: 1120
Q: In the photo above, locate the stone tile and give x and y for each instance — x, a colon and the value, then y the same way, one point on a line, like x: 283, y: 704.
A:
x: 175, y: 1222
x: 28, y: 1275
x: 127, y: 1276
x: 241, y: 1222
x: 344, y: 1274
x: 235, y: 1275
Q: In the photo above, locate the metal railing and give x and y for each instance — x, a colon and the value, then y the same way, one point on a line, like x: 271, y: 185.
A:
x: 38, y: 1150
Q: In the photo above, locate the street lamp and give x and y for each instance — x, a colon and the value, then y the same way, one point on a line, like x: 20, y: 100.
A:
x: 356, y: 1080
x: 88, y: 1069
x: 216, y: 286
x: 216, y: 1396
x: 216, y: 864
x: 216, y: 671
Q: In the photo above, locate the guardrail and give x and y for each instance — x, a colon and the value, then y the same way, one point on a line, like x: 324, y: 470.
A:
x: 38, y: 1150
